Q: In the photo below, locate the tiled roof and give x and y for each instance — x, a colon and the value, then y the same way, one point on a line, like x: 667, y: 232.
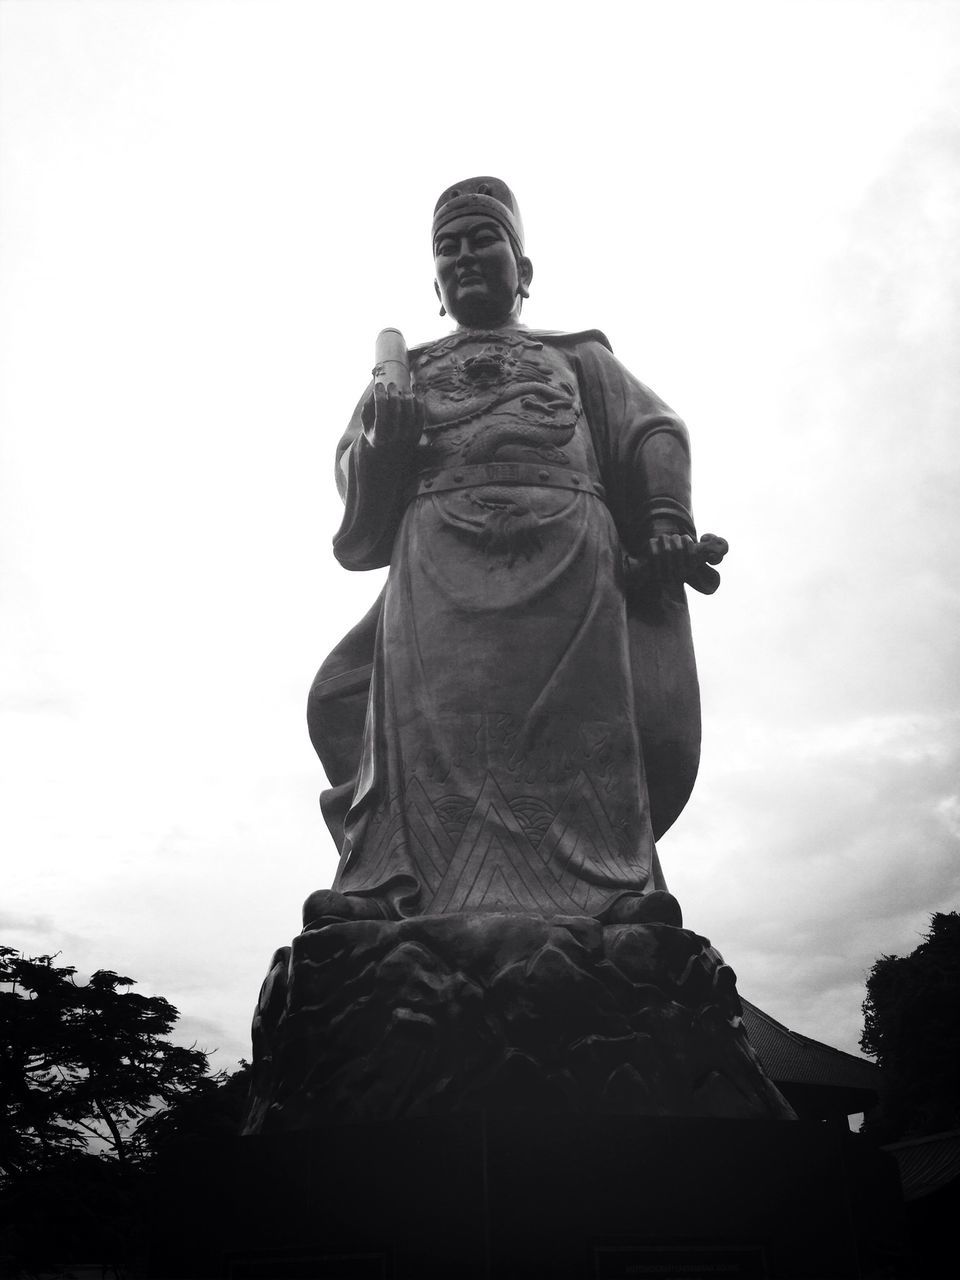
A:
x: 790, y: 1058
x: 926, y: 1164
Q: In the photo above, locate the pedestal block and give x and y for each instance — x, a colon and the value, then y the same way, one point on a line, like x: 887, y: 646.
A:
x: 449, y: 1014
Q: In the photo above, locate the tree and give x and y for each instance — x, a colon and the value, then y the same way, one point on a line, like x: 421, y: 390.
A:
x: 91, y: 1090
x: 212, y: 1112
x: 912, y: 1026
x: 82, y: 1064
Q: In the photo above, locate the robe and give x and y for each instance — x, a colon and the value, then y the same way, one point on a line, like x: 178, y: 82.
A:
x: 529, y: 725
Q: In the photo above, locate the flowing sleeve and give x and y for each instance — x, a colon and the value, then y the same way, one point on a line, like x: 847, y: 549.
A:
x: 644, y: 456
x: 373, y: 484
x: 642, y: 448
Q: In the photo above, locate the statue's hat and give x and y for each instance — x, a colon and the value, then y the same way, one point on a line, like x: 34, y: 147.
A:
x: 488, y: 196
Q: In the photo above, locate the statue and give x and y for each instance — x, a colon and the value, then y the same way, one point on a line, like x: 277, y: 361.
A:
x: 506, y: 734
x: 517, y: 719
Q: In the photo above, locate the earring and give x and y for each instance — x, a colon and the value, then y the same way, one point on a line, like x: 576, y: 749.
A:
x: 443, y: 309
x: 522, y: 291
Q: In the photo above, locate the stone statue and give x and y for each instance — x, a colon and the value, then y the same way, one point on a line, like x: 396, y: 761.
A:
x: 517, y: 719
x: 506, y: 733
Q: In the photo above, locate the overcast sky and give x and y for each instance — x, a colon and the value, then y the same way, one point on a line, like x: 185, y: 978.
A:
x: 210, y: 208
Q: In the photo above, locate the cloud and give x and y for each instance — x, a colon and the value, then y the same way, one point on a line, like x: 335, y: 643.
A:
x: 35, y: 933
x: 40, y: 703
x: 832, y: 727
x: 828, y: 846
x: 222, y: 1045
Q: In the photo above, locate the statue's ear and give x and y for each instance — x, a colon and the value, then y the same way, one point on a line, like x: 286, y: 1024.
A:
x: 525, y: 273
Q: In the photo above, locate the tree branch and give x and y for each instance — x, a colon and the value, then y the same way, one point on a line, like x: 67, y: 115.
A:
x: 114, y: 1131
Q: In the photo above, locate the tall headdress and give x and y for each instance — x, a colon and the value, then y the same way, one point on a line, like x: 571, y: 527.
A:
x: 486, y: 196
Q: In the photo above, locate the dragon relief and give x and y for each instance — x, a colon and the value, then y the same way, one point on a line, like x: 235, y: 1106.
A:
x: 488, y: 400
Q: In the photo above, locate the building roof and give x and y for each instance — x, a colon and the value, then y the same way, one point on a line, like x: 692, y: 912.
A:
x: 927, y: 1164
x: 790, y: 1058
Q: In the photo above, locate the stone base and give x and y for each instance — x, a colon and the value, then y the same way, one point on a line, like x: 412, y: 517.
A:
x: 439, y: 1015
x: 501, y: 1197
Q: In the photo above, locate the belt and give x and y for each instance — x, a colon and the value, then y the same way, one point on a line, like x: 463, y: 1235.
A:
x: 525, y: 473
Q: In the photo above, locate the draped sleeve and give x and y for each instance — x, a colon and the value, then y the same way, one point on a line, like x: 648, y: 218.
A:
x: 643, y: 451
x: 642, y: 448
x: 373, y: 484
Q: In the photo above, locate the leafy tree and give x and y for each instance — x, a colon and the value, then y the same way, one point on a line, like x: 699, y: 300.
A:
x: 91, y: 1091
x: 82, y: 1064
x: 912, y: 1026
x: 214, y: 1110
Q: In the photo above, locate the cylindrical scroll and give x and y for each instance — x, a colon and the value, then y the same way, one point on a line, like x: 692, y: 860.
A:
x: 391, y: 359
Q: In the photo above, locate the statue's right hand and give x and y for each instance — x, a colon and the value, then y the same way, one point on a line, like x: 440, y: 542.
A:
x: 391, y: 416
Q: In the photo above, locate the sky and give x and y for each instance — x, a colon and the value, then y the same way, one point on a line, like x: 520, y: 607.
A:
x: 208, y: 209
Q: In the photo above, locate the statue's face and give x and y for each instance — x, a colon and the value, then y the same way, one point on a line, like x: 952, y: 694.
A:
x: 477, y: 272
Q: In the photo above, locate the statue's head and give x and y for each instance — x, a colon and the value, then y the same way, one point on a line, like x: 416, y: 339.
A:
x: 482, y: 272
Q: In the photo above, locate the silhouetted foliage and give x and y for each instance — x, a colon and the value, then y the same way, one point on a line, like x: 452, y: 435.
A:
x: 91, y: 1091
x: 82, y: 1062
x: 213, y: 1111
x: 912, y: 1026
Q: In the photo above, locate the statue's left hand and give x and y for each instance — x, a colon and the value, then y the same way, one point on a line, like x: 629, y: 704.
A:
x: 676, y: 558
x: 670, y: 557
